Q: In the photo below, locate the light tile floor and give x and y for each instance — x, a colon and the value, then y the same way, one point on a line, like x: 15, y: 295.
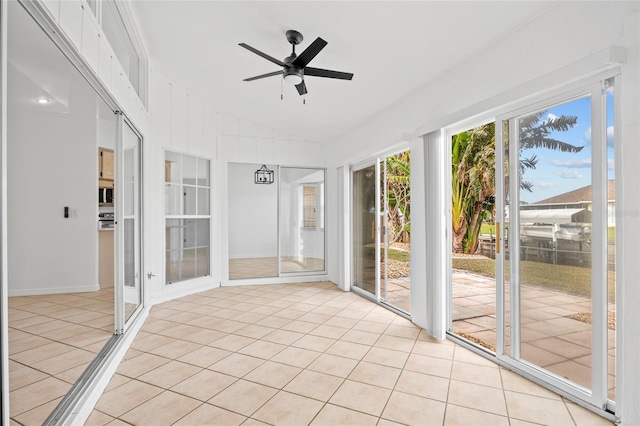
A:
x: 300, y: 354
x: 52, y: 339
x: 263, y: 267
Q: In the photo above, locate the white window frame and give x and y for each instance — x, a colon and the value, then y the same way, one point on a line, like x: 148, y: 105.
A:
x: 196, y: 216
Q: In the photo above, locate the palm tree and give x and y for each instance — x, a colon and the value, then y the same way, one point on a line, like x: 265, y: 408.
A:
x: 473, y: 172
x: 398, y: 175
x: 535, y: 134
x: 473, y: 179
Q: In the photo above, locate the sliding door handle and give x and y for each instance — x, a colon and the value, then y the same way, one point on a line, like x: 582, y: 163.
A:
x: 497, y: 237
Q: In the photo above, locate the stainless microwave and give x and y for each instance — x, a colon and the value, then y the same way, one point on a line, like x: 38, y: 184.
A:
x: 105, y: 196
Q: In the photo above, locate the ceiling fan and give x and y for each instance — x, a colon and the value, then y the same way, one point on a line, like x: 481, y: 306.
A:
x: 294, y: 67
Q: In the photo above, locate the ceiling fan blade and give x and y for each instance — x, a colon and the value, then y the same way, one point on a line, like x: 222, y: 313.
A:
x: 318, y: 72
x: 264, y: 55
x: 309, y: 53
x: 257, y: 77
x: 302, y: 88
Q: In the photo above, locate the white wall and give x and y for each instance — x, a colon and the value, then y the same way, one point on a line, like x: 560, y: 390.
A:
x: 253, y: 213
x: 181, y: 122
x: 53, y: 165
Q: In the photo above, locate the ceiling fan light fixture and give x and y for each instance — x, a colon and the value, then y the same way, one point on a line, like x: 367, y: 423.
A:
x: 293, y: 76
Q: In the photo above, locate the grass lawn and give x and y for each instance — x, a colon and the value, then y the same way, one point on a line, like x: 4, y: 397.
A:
x: 568, y: 279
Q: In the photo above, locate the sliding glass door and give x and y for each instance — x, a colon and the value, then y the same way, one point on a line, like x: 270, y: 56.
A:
x: 552, y: 236
x: 381, y: 228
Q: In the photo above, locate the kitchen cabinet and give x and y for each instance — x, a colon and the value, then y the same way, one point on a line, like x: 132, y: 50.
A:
x: 106, y: 168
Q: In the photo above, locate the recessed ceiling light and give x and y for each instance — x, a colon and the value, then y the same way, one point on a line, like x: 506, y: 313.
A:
x: 43, y: 101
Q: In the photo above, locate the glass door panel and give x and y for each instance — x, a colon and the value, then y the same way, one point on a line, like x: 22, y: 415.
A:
x: 475, y: 229
x: 611, y: 245
x: 131, y: 215
x: 381, y: 230
x: 301, y: 227
x: 395, y: 236
x: 364, y: 209
x: 383, y: 241
x: 554, y: 230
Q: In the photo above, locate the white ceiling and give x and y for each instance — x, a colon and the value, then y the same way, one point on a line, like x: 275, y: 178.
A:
x: 393, y: 48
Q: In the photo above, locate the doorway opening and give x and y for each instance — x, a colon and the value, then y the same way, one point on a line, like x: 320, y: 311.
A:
x: 276, y: 229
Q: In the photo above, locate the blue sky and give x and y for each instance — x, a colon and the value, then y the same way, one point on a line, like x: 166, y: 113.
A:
x: 557, y: 172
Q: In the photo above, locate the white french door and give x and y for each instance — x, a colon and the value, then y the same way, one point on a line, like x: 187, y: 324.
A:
x: 555, y: 227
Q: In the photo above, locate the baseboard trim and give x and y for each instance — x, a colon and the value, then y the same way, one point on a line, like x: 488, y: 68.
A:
x: 54, y: 290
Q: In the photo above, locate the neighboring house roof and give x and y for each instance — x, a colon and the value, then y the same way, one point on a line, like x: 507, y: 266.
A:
x: 580, y: 195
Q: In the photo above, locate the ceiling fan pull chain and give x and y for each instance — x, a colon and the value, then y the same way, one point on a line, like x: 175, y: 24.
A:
x: 281, y: 96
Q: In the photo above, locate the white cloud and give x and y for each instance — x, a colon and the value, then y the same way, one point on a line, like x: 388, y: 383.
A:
x: 579, y: 164
x: 551, y: 117
x: 587, y: 136
x: 571, y: 174
x: 545, y: 184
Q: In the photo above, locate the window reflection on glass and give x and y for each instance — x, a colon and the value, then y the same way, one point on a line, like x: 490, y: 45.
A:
x: 301, y: 239
x: 187, y: 200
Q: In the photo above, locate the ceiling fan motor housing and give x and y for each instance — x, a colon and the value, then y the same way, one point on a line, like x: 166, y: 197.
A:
x: 293, y: 75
